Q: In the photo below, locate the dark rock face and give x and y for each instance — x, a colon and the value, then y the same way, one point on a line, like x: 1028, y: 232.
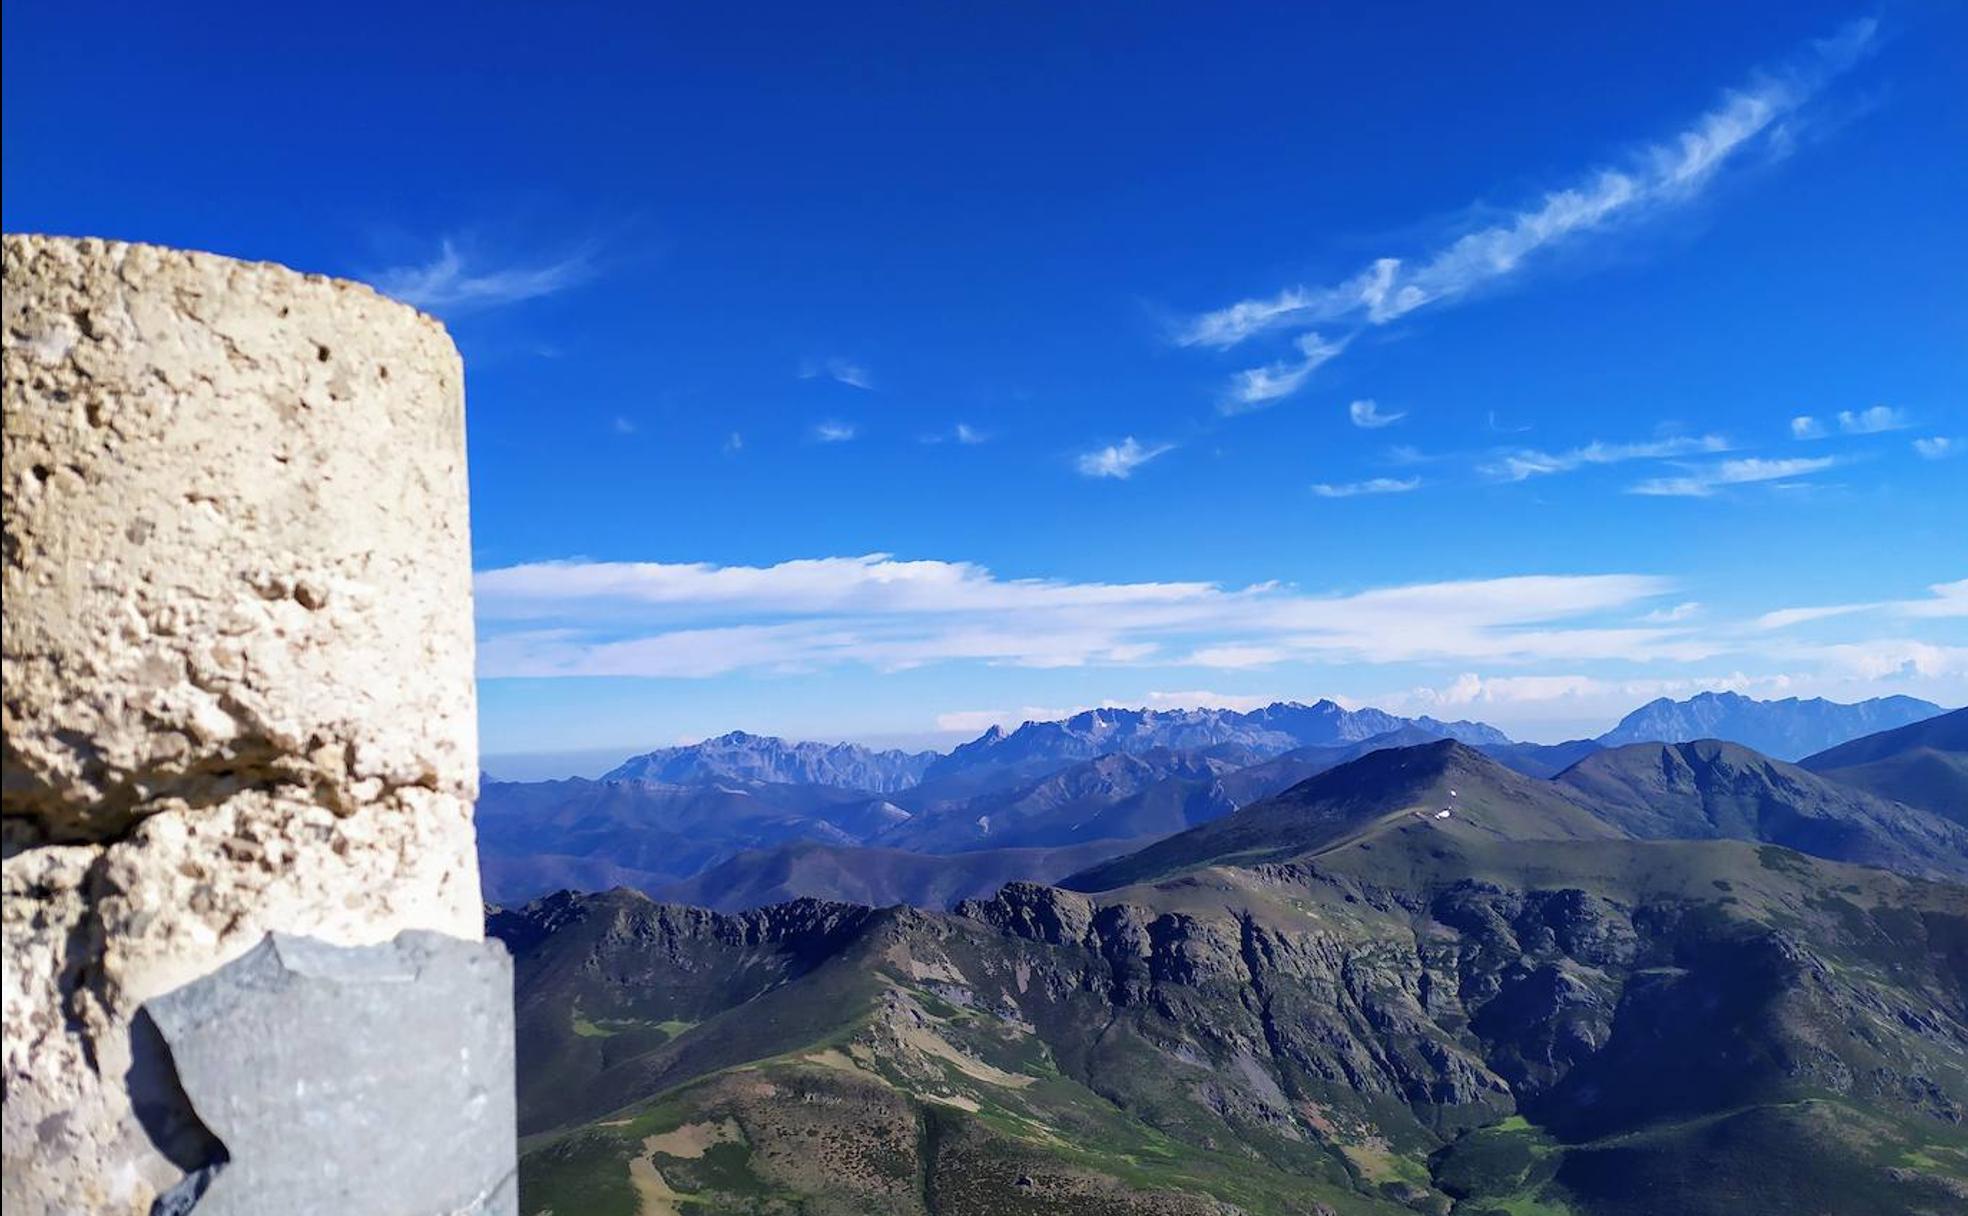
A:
x: 1506, y: 999
x: 300, y: 1057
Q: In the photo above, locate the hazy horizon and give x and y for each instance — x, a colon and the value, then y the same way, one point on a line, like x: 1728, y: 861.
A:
x: 592, y: 762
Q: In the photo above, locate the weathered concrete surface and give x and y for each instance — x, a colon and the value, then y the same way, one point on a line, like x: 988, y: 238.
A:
x: 237, y: 659
x: 297, y: 1050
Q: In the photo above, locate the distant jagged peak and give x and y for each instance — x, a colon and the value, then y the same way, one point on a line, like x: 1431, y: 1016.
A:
x: 741, y: 756
x: 1267, y: 730
x: 1788, y: 729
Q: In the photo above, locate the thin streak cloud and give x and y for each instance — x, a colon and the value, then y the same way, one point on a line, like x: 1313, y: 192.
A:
x: 450, y: 284
x: 1257, y: 387
x: 840, y: 371
x: 1524, y: 463
x: 1368, y: 416
x: 1703, y: 482
x: 1660, y: 177
x: 1376, y: 485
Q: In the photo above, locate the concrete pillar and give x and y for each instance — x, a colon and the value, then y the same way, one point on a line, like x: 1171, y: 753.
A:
x: 237, y: 662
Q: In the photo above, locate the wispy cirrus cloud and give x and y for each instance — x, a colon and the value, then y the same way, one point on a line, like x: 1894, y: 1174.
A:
x: 961, y: 433
x: 1119, y: 460
x: 1521, y: 464
x: 1874, y: 420
x: 451, y: 283
x: 1257, y: 387
x: 1757, y: 116
x: 1935, y: 447
x: 1574, y: 696
x: 840, y: 371
x: 1784, y: 618
x: 1243, y: 656
x: 1679, y: 612
x: 1368, y: 415
x: 833, y: 430
x: 692, y: 620
x: 1704, y: 480
x: 1373, y: 485
x: 1943, y: 601
x: 1871, y: 421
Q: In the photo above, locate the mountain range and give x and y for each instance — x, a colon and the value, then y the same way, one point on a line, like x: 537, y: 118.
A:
x: 1100, y: 784
x: 741, y: 757
x: 1789, y: 729
x: 1268, y: 731
x: 1416, y: 981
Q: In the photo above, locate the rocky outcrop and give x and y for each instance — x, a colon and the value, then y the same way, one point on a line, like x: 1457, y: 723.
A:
x: 238, y: 660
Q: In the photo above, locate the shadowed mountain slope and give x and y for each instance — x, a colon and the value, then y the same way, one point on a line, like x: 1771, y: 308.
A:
x: 1147, y: 794
x: 1924, y: 764
x: 1452, y: 787
x: 534, y: 836
x: 1056, y: 808
x: 1711, y: 789
x: 1541, y: 759
x: 876, y: 877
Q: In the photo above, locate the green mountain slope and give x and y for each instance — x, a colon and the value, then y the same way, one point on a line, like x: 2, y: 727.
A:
x: 827, y: 1059
x: 1058, y: 808
x: 1412, y: 1018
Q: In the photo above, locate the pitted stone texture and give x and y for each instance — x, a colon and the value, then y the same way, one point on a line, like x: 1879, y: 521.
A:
x: 236, y: 546
x: 237, y: 660
x: 298, y: 1050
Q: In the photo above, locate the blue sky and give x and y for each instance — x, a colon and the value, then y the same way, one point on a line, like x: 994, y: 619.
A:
x: 883, y: 371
